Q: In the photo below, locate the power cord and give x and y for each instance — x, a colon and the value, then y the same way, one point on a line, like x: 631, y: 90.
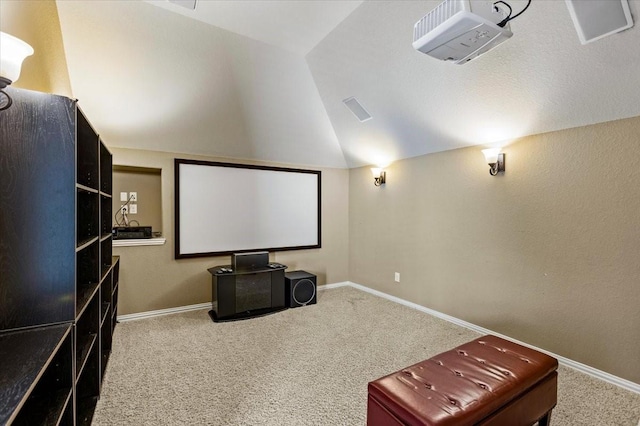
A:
x: 122, y: 214
x: 506, y: 4
x: 509, y: 17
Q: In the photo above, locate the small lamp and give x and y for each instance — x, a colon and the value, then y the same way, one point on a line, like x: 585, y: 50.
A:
x: 379, y: 176
x: 495, y: 159
x: 13, y: 52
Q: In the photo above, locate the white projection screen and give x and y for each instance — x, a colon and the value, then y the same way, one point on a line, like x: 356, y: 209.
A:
x: 224, y: 208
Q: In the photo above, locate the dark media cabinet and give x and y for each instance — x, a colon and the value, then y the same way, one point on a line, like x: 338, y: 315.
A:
x: 58, y: 278
x: 246, y: 293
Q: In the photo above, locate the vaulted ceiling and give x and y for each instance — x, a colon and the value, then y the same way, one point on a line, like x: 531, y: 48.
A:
x: 265, y: 80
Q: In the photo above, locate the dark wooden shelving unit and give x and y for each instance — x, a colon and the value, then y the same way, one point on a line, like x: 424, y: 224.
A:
x: 114, y: 291
x: 42, y: 356
x: 109, y: 294
x: 58, y: 292
x: 105, y: 256
x: 87, y: 224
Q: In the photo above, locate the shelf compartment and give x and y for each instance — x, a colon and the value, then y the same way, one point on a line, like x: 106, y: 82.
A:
x: 106, y: 340
x: 114, y: 318
x: 87, y: 275
x: 106, y: 249
x: 87, y: 215
x: 106, y: 287
x: 114, y: 298
x: 87, y: 170
x: 69, y: 413
x: 106, y: 213
x: 85, y: 409
x: 103, y: 364
x: 115, y: 261
x: 83, y: 350
x: 88, y: 389
x: 87, y: 329
x: 106, y: 167
x: 106, y: 310
x: 84, y: 296
x: 49, y: 400
x: 86, y: 243
x: 50, y: 409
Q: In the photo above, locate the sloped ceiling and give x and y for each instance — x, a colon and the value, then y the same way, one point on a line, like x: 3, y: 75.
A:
x: 542, y: 79
x: 296, y: 26
x: 151, y: 78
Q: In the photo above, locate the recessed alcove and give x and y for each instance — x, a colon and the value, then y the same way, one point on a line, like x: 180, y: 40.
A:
x: 146, y: 183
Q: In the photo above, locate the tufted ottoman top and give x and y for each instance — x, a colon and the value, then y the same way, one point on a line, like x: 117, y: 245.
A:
x: 463, y: 385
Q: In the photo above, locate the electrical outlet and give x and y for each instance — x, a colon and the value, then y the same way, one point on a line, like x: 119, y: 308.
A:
x: 133, y: 196
x: 397, y: 277
x: 124, y: 209
x: 133, y: 208
x: 123, y: 196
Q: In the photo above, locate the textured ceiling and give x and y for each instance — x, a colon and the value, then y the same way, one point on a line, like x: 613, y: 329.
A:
x: 542, y: 79
x: 297, y: 26
x: 151, y: 78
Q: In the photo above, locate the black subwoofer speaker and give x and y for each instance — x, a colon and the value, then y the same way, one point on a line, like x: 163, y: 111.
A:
x: 300, y: 288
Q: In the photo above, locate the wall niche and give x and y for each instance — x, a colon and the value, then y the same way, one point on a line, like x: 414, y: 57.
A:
x: 146, y: 210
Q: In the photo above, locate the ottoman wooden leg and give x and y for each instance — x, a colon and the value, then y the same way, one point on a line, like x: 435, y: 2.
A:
x: 546, y: 420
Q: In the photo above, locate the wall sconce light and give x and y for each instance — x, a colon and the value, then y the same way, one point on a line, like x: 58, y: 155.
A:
x: 495, y: 160
x: 13, y: 52
x: 379, y: 176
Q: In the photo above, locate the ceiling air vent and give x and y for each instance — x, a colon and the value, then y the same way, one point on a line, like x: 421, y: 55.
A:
x: 596, y: 19
x: 357, y: 109
x: 187, y: 4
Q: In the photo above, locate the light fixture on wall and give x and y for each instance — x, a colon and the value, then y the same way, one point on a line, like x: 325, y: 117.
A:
x: 13, y: 52
x: 379, y: 176
x: 495, y: 159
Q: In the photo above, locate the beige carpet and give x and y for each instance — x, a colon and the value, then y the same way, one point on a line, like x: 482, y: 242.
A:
x: 304, y: 366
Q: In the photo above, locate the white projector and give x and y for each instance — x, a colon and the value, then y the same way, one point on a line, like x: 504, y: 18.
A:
x: 460, y: 30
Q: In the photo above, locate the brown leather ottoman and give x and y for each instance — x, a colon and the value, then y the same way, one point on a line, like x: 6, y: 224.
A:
x: 489, y: 381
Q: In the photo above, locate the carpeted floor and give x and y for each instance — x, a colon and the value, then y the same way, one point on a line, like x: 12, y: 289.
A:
x: 305, y: 366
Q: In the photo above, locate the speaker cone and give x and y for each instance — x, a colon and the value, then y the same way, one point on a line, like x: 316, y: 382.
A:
x: 303, y: 291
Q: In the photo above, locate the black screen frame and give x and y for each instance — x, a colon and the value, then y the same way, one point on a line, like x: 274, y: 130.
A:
x: 179, y: 161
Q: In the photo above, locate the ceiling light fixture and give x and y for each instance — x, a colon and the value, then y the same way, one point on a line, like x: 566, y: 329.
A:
x: 13, y: 52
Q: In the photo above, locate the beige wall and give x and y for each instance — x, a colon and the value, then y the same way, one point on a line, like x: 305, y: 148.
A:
x: 150, y: 277
x: 547, y: 253
x: 36, y: 22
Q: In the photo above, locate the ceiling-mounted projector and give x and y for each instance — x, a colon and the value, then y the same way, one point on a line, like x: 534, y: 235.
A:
x: 461, y: 30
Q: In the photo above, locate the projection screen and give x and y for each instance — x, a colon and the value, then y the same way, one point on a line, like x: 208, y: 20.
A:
x: 223, y: 208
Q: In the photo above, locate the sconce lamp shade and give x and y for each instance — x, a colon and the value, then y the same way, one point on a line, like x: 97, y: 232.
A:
x: 495, y: 159
x: 13, y: 52
x: 491, y: 155
x: 379, y: 176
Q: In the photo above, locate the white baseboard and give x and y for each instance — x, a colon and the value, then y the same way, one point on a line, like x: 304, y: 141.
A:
x: 207, y: 305
x: 334, y: 285
x: 160, y: 312
x: 583, y: 368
